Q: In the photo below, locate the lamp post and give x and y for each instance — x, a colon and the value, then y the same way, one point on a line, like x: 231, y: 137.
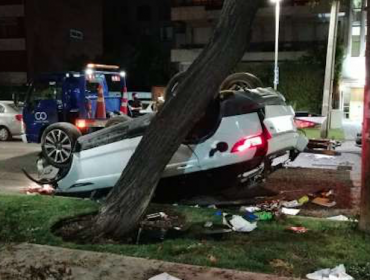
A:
x: 277, y: 26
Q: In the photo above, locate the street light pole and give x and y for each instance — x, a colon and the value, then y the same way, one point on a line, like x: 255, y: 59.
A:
x: 277, y: 27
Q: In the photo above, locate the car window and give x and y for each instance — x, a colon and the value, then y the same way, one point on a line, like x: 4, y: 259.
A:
x: 15, y: 108
x: 207, y: 125
x: 45, y: 90
x: 2, y: 109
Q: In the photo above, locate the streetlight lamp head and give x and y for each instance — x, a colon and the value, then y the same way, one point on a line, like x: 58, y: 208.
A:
x: 89, y: 71
x: 123, y: 74
x: 275, y: 1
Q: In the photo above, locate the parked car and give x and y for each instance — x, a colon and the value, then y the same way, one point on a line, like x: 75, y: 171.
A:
x: 148, y: 107
x: 10, y: 120
x: 240, y: 136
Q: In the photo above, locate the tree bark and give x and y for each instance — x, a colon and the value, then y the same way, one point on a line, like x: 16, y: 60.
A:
x: 365, y: 186
x: 132, y: 194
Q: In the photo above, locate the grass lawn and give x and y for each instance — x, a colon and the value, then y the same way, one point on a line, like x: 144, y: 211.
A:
x: 314, y: 133
x: 269, y: 249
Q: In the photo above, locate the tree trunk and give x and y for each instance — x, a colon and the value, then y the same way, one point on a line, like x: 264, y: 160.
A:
x: 365, y: 190
x: 132, y: 194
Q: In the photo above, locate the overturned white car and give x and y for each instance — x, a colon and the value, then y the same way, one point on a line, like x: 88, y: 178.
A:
x: 238, y: 138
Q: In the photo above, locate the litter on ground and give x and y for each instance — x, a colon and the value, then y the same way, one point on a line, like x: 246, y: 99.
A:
x: 290, y: 211
x: 164, y: 276
x: 339, y: 218
x: 250, y: 209
x: 238, y: 223
x: 291, y: 204
x: 37, y: 189
x: 337, y: 273
x: 264, y: 215
x: 324, y: 201
x: 298, y: 229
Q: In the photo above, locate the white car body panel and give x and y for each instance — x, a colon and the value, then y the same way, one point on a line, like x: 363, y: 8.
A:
x: 231, y: 130
x: 99, y: 168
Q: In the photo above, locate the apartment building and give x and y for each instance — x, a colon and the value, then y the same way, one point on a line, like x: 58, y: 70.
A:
x: 303, y: 25
x: 42, y: 36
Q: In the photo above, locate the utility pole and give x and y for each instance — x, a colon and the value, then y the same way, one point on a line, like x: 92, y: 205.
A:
x: 277, y: 27
x: 363, y: 29
x: 365, y: 186
x: 329, y: 70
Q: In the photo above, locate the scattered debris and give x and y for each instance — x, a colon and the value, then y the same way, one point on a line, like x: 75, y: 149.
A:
x: 237, y: 223
x: 250, y: 217
x: 250, y: 209
x: 212, y: 206
x: 291, y: 204
x: 37, y: 189
x: 290, y: 211
x: 208, y: 224
x: 264, y: 215
x: 339, y: 218
x: 164, y: 276
x: 298, y: 229
x: 337, y: 273
x: 212, y: 259
x: 303, y: 200
x: 156, y: 216
x: 324, y: 201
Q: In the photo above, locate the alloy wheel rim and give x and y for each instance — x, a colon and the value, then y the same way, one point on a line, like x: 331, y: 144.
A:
x: 3, y: 134
x: 58, y: 146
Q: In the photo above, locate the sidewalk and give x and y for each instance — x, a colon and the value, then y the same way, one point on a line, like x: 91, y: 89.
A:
x: 25, y: 261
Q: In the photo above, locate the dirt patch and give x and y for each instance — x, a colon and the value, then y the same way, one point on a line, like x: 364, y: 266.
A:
x: 293, y: 183
x: 158, y: 223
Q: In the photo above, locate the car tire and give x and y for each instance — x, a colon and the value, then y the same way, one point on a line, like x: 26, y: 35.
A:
x: 239, y: 81
x: 5, y: 134
x: 117, y: 120
x: 58, y: 142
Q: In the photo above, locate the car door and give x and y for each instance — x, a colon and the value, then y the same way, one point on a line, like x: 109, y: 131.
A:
x: 183, y: 162
x: 3, y: 119
x: 41, y: 108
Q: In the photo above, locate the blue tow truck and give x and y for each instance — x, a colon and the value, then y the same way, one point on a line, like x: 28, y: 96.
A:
x: 59, y: 107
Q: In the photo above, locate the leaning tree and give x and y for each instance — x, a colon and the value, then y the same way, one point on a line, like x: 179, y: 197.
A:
x: 132, y: 194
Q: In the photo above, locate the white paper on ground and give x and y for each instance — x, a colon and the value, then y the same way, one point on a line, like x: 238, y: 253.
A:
x: 337, y: 273
x: 250, y: 209
x: 239, y: 224
x: 291, y: 204
x: 289, y: 211
x: 164, y: 276
x: 339, y: 218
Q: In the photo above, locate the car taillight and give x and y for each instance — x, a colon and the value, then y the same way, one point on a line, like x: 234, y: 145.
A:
x: 81, y: 124
x: 247, y: 143
x: 304, y: 124
x: 19, y: 118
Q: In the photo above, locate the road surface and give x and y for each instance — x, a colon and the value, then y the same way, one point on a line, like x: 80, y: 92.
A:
x: 15, y: 155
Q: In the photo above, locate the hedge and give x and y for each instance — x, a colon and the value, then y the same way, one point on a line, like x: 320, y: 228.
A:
x: 301, y: 83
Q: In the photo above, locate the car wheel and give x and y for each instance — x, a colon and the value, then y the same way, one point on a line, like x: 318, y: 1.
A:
x: 117, y: 120
x: 57, y: 143
x: 5, y: 134
x: 240, y: 81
